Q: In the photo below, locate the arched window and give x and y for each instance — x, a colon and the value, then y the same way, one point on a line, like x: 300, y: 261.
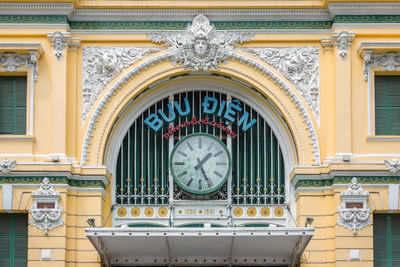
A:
x: 257, y: 174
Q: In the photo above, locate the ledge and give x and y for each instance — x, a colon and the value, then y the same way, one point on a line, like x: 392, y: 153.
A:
x: 10, y: 137
x: 384, y: 138
x: 378, y: 47
x: 21, y: 47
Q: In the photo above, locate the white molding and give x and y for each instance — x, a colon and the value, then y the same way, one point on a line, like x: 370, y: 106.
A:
x: 36, y: 9
x: 363, y: 9
x: 7, y: 193
x: 189, y: 14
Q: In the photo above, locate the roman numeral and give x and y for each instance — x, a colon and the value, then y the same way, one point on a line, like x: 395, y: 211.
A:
x: 218, y: 153
x: 183, y: 154
x: 189, y: 182
x: 182, y: 174
x: 220, y: 163
x: 190, y: 146
x: 180, y: 163
x: 210, y: 146
x: 200, y: 142
x: 218, y: 174
x: 200, y: 186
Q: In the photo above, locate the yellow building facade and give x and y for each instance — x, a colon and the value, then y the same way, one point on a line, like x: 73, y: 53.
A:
x: 226, y: 133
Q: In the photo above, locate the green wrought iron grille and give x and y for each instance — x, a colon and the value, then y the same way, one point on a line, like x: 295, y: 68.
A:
x: 142, y: 173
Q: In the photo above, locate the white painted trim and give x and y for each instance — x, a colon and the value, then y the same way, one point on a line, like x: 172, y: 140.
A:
x: 363, y: 9
x: 7, y: 192
x: 393, y: 197
x: 211, y: 14
x: 369, y: 102
x: 59, y: 26
x: 375, y: 44
x: 71, y: 188
x: 16, y: 138
x: 376, y: 138
x: 32, y: 86
x: 254, y: 31
x: 36, y: 9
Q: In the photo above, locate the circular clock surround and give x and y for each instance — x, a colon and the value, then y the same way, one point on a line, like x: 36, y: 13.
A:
x: 200, y: 163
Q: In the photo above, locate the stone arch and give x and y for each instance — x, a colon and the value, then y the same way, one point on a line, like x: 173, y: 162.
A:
x: 266, y: 82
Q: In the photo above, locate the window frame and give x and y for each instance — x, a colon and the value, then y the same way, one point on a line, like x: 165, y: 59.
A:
x: 372, y: 108
x: 28, y: 123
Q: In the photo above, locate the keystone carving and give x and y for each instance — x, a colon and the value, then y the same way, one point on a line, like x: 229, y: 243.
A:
x: 201, y: 46
x: 354, y: 211
x: 46, y: 212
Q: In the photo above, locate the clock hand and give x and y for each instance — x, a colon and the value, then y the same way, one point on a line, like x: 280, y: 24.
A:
x: 210, y: 184
x: 201, y: 162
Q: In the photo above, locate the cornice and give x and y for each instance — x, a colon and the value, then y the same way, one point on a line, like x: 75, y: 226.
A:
x: 36, y: 9
x: 212, y: 14
x: 363, y: 9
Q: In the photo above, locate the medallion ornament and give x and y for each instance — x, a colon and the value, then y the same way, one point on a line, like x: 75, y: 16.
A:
x: 354, y: 211
x: 201, y: 46
x: 6, y: 165
x: 393, y: 165
x: 298, y: 64
x: 46, y: 212
x: 101, y: 65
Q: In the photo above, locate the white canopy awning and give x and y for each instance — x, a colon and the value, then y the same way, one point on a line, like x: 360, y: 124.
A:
x: 191, y: 246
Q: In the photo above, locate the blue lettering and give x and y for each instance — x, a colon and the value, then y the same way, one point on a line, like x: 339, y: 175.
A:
x: 221, y: 108
x: 171, y: 110
x: 230, y: 111
x: 187, y: 106
x: 153, y: 122
x: 246, y: 124
x: 207, y: 102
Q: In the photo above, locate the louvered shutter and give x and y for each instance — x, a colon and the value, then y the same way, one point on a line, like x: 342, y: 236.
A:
x: 13, y: 105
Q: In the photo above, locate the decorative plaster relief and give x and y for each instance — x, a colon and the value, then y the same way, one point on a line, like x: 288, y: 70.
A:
x: 299, y: 65
x: 16, y: 62
x: 393, y: 165
x: 383, y: 61
x: 354, y: 211
x: 6, y: 165
x: 342, y: 40
x: 101, y: 65
x: 201, y: 46
x: 59, y: 42
x: 46, y: 212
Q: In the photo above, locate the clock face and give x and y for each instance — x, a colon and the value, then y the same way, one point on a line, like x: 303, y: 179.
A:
x: 200, y: 163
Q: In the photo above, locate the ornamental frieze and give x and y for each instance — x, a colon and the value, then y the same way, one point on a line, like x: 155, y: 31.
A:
x: 101, y: 65
x: 298, y: 64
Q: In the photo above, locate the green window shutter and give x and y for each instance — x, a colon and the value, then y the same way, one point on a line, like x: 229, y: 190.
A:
x: 13, y: 105
x: 13, y: 240
x: 387, y: 105
x: 386, y: 240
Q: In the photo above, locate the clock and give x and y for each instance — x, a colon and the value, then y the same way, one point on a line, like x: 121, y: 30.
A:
x: 200, y: 163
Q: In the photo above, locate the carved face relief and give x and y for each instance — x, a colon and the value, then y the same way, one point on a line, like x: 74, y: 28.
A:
x: 200, y: 47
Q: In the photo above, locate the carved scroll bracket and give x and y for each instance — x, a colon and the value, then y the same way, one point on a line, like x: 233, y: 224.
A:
x: 46, y: 212
x: 342, y: 40
x: 354, y: 211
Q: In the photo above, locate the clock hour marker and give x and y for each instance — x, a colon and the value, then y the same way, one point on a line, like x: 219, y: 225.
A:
x: 190, y: 146
x: 210, y: 146
x: 218, y: 153
x: 183, y: 154
x: 200, y: 186
x: 200, y: 142
x: 220, y: 163
x: 189, y: 182
x: 182, y: 174
x: 180, y: 163
x: 218, y: 174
